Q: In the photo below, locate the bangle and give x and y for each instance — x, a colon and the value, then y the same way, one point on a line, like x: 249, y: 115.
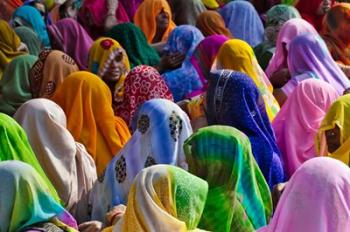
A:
x: 111, y: 14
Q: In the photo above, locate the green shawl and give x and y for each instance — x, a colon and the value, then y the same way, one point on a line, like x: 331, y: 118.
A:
x: 30, y: 38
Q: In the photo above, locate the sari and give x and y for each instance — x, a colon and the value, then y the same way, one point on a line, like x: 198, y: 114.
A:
x: 315, y: 199
x: 131, y: 7
x: 237, y: 55
x: 70, y: 37
x: 87, y: 103
x: 238, y: 198
x: 164, y: 198
x: 185, y: 80
x: 234, y: 100
x: 211, y: 23
x: 160, y: 130
x: 8, y: 7
x: 14, y: 86
x: 145, y: 18
x: 186, y: 12
x: 66, y: 163
x: 300, y: 117
x: 243, y: 21
x: 133, y: 40
x: 24, y: 200
x: 30, y: 39
x: 142, y: 84
x: 48, y: 73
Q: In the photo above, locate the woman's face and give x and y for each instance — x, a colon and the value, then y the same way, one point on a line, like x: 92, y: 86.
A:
x: 324, y: 7
x: 333, y: 139
x: 71, y: 11
x: 115, y: 70
x: 162, y: 20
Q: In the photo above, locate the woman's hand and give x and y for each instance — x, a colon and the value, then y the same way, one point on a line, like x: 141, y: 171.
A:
x: 280, y: 78
x: 170, y: 62
x: 91, y: 226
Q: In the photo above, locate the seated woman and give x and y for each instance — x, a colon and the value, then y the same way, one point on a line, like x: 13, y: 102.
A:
x: 25, y: 204
x: 234, y: 100
x: 300, y: 117
x: 315, y: 199
x: 160, y: 130
x: 238, y: 198
x: 30, y: 39
x: 211, y: 23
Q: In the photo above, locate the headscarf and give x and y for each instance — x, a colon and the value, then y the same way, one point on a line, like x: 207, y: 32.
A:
x: 211, y: 23
x: 24, y: 200
x: 211, y: 4
x: 288, y: 32
x: 87, y: 102
x: 145, y: 18
x: 297, y: 123
x: 164, y: 197
x: 9, y: 43
x: 160, y: 130
x: 14, y: 86
x: 71, y: 38
x: 243, y: 21
x: 15, y: 146
x: 238, y: 198
x: 134, y: 42
x: 339, y: 49
x: 30, y: 17
x: 234, y: 100
x: 309, y: 53
x: 67, y: 164
x: 186, y: 12
x: 315, y: 199
x: 48, y: 73
x: 237, y: 55
x: 204, y: 55
x: 8, y: 7
x: 142, y: 83
x: 185, y: 80
x: 30, y: 39
x: 337, y: 115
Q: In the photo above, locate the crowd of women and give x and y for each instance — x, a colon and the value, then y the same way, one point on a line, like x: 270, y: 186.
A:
x: 174, y: 115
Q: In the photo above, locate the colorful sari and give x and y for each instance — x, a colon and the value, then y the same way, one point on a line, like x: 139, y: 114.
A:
x: 239, y: 198
x: 211, y: 23
x: 30, y: 39
x: 8, y: 7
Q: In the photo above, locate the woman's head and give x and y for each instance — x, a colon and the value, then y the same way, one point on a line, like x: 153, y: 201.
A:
x: 337, y: 22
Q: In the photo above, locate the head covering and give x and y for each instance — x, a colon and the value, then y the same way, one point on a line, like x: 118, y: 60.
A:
x: 317, y: 192
x: 243, y: 21
x: 211, y: 4
x: 162, y: 197
x: 184, y: 80
x: 24, y: 200
x: 156, y: 120
x: 29, y: 16
x: 134, y: 42
x: 87, y: 102
x: 299, y: 119
x: 29, y: 38
x: 15, y: 146
x: 238, y: 198
x: 234, y: 100
x: 204, y: 55
x: 8, y: 7
x: 48, y: 73
x: 142, y: 83
x: 71, y: 38
x: 309, y: 53
x: 145, y: 18
x: 237, y: 55
x: 336, y: 116
x: 288, y: 32
x: 186, y: 12
x: 9, y: 43
x: 211, y: 23
x: 131, y: 6
x: 67, y: 164
x: 14, y: 86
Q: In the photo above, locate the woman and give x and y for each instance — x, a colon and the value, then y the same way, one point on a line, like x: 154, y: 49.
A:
x: 234, y: 100
x: 243, y: 21
x: 14, y: 86
x: 25, y: 204
x: 237, y: 55
x: 30, y: 39
x: 133, y: 40
x: 211, y: 23
x: 275, y: 18
x: 48, y: 73
x: 142, y: 83
x: 300, y: 117
x: 183, y: 80
x: 333, y: 136
x: 68, y: 36
x: 155, y: 20
x: 315, y: 199
x: 156, y: 120
x: 109, y: 61
x: 238, y: 198
x: 67, y: 164
x: 186, y: 12
x: 90, y: 117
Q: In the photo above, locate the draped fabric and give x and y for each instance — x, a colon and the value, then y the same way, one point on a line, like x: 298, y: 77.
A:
x: 211, y: 23
x: 186, y: 12
x: 131, y: 6
x: 30, y: 39
x: 8, y: 7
